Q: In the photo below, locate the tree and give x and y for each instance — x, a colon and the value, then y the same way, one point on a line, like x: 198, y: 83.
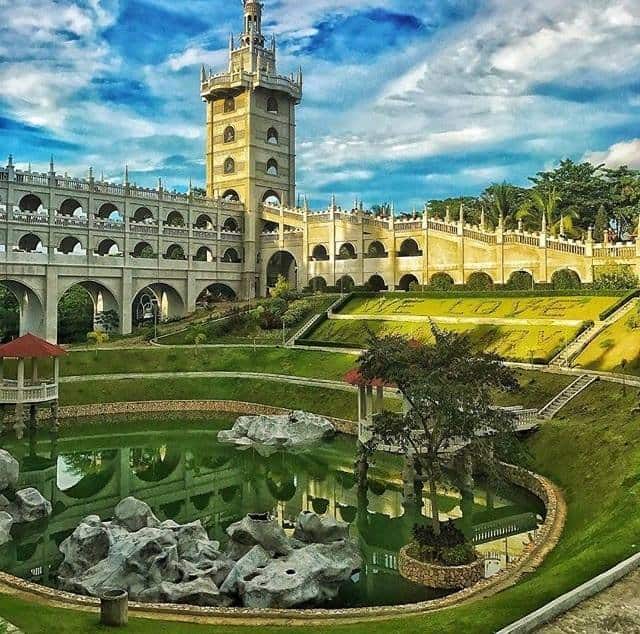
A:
x: 282, y: 288
x: 625, y: 197
x: 97, y: 338
x: 601, y: 224
x: 503, y: 199
x: 75, y: 315
x: 614, y: 276
x: 108, y: 320
x: 9, y: 315
x: 447, y: 387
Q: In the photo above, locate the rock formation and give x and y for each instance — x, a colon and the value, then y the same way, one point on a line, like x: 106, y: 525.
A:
x: 287, y: 430
x: 169, y: 562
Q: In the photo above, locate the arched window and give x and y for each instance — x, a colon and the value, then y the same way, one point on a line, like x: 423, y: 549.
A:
x: 143, y: 250
x: 231, y: 195
x: 230, y: 225
x: 229, y: 104
x: 204, y: 255
x: 272, y: 167
x: 229, y: 134
x: 231, y: 255
x: 347, y: 252
x: 175, y: 252
x: 229, y: 166
x: 272, y: 105
x: 30, y: 243
x: 70, y: 245
x: 271, y: 198
x: 109, y: 211
x: 319, y: 253
x: 107, y: 247
x: 376, y: 284
x: 142, y: 215
x: 30, y: 203
x: 204, y: 222
x: 175, y: 219
x: 376, y: 250
x: 272, y: 136
x: 409, y: 248
x: 408, y: 283
x: 71, y: 207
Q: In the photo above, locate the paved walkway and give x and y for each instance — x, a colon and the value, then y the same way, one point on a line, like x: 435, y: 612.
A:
x: 615, y: 610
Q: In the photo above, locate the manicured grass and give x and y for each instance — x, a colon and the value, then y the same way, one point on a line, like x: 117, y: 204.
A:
x: 581, y: 308
x: 304, y: 363
x: 617, y: 348
x: 513, y: 342
x: 592, y: 452
x: 536, y: 389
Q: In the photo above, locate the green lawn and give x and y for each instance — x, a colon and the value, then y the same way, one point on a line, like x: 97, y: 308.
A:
x: 592, y: 451
x: 513, y: 342
x: 582, y: 308
x: 615, y: 349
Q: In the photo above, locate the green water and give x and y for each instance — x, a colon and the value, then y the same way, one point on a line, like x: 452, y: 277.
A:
x: 184, y: 474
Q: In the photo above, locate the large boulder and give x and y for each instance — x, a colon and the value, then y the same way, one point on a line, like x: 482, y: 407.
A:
x: 311, y: 528
x: 9, y: 471
x: 134, y: 514
x: 308, y: 576
x: 6, y: 521
x: 257, y: 529
x: 289, y: 430
x: 201, y: 591
x: 85, y: 547
x: 29, y: 506
x: 245, y: 568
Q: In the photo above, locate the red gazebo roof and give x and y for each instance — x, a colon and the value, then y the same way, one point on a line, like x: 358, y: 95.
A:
x: 30, y: 347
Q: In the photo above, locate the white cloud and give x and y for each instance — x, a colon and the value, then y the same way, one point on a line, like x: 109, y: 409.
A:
x: 623, y: 153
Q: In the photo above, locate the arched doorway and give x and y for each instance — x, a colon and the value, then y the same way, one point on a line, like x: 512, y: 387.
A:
x: 376, y: 283
x: 157, y: 301
x: 71, y: 207
x: 215, y: 294
x: 282, y: 263
x: 30, y: 312
x: 345, y: 284
x: 407, y: 282
x: 271, y: 198
x: 520, y: 281
x: 409, y: 249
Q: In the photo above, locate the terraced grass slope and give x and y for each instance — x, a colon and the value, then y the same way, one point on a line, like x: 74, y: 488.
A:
x: 616, y: 348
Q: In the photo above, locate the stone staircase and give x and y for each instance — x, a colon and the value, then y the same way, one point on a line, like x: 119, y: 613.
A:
x: 569, y: 393
x: 566, y: 355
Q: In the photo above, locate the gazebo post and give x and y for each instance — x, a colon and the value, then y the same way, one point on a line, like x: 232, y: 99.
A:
x: 19, y: 424
x: 34, y: 371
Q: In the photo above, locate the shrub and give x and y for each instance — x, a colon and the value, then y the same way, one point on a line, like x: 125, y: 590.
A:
x: 441, y: 282
x: 459, y: 555
x: 614, y: 276
x: 565, y: 279
x: 479, y: 282
x: 297, y: 311
x: 450, y: 547
x: 520, y: 281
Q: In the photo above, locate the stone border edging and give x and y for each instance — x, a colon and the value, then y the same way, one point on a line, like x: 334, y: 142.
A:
x: 547, y: 537
x: 572, y: 598
x: 439, y: 575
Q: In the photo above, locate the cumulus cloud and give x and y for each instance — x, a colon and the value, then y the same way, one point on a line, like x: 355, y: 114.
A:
x: 623, y: 153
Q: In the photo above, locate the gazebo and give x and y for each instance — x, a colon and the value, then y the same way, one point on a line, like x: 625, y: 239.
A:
x: 21, y: 393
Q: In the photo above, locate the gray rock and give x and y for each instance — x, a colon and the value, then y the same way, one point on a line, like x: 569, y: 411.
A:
x: 289, y: 430
x: 308, y: 576
x: 201, y: 591
x: 29, y: 506
x: 257, y: 529
x: 9, y: 471
x: 134, y: 514
x: 246, y: 567
x: 311, y: 528
x: 85, y: 547
x: 6, y: 521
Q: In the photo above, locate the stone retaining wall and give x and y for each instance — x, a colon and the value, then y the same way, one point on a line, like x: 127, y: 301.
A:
x: 434, y: 576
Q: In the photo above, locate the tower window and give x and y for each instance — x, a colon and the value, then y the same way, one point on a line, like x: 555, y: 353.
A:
x: 272, y: 105
x: 272, y: 167
x: 272, y: 136
x: 229, y: 104
x: 229, y: 166
x: 229, y: 134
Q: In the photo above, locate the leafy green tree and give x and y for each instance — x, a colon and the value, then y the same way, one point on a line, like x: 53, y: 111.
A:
x: 614, y: 276
x: 601, y: 224
x: 75, y: 315
x: 503, y: 199
x: 448, y: 388
x: 9, y: 315
x: 282, y: 288
x: 625, y: 197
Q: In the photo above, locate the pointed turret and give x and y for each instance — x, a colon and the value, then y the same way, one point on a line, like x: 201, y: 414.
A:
x: 10, y: 161
x: 483, y: 220
x: 52, y: 169
x: 461, y: 216
x: 203, y: 75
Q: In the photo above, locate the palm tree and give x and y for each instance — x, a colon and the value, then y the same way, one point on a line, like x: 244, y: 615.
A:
x: 541, y: 204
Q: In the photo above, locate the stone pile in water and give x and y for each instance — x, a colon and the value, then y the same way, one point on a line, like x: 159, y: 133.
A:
x: 17, y: 506
x: 165, y: 562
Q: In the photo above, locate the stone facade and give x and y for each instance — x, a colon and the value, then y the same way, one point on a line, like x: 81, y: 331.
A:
x: 433, y: 576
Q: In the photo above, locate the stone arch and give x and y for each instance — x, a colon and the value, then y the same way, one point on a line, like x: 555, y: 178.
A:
x: 143, y: 250
x: 71, y: 207
x: 376, y: 250
x: 272, y: 198
x: 204, y: 254
x: 70, y: 246
x: 566, y: 279
x: 409, y: 249
x: 30, y: 203
x: 108, y: 247
x: 231, y: 225
x: 229, y: 134
x: 272, y: 167
x: 441, y: 281
x: 215, y: 293
x: 175, y: 252
x: 319, y: 253
x: 345, y: 284
x: 406, y: 281
x: 231, y: 195
x: 318, y: 284
x: 272, y: 136
x: 229, y: 165
x: 142, y: 214
x: 31, y: 243
x: 480, y: 281
x: 107, y: 211
x: 520, y: 281
x: 157, y: 300
x: 347, y: 251
x: 30, y: 305
x: 231, y: 256
x: 175, y: 219
x: 376, y: 283
x: 272, y: 105
x: 203, y: 221
x: 282, y: 263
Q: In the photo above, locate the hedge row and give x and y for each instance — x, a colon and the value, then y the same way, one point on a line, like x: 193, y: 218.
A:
x: 618, y: 305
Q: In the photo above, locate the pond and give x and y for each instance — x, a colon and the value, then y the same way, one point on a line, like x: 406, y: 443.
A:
x: 184, y: 474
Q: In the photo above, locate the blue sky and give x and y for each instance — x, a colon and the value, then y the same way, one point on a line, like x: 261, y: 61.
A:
x: 405, y: 100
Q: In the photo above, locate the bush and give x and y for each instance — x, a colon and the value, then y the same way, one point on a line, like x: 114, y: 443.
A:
x: 450, y: 547
x: 614, y: 276
x: 459, y: 555
x: 479, y: 282
x: 297, y: 311
x: 565, y: 279
x: 519, y: 281
x: 441, y: 282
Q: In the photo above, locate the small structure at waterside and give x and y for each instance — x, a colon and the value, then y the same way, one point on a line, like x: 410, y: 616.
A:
x: 21, y: 397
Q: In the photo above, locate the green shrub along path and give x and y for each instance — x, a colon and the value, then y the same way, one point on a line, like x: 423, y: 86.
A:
x: 592, y: 451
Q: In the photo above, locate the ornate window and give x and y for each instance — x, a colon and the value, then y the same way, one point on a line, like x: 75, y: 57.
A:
x: 229, y: 104
x: 272, y: 105
x: 229, y: 134
x: 272, y: 136
x: 272, y: 167
x: 229, y: 166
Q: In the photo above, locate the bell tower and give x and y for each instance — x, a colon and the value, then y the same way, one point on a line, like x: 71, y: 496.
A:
x: 250, y: 135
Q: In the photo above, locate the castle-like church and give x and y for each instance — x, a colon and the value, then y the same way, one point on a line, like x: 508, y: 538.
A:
x: 129, y: 246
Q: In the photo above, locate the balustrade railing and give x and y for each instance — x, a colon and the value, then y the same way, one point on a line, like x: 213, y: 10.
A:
x: 10, y: 393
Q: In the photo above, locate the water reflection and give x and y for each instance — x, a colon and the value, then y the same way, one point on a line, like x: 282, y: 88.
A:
x: 186, y: 475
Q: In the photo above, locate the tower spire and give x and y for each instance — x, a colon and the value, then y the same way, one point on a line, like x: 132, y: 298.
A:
x: 252, y: 23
